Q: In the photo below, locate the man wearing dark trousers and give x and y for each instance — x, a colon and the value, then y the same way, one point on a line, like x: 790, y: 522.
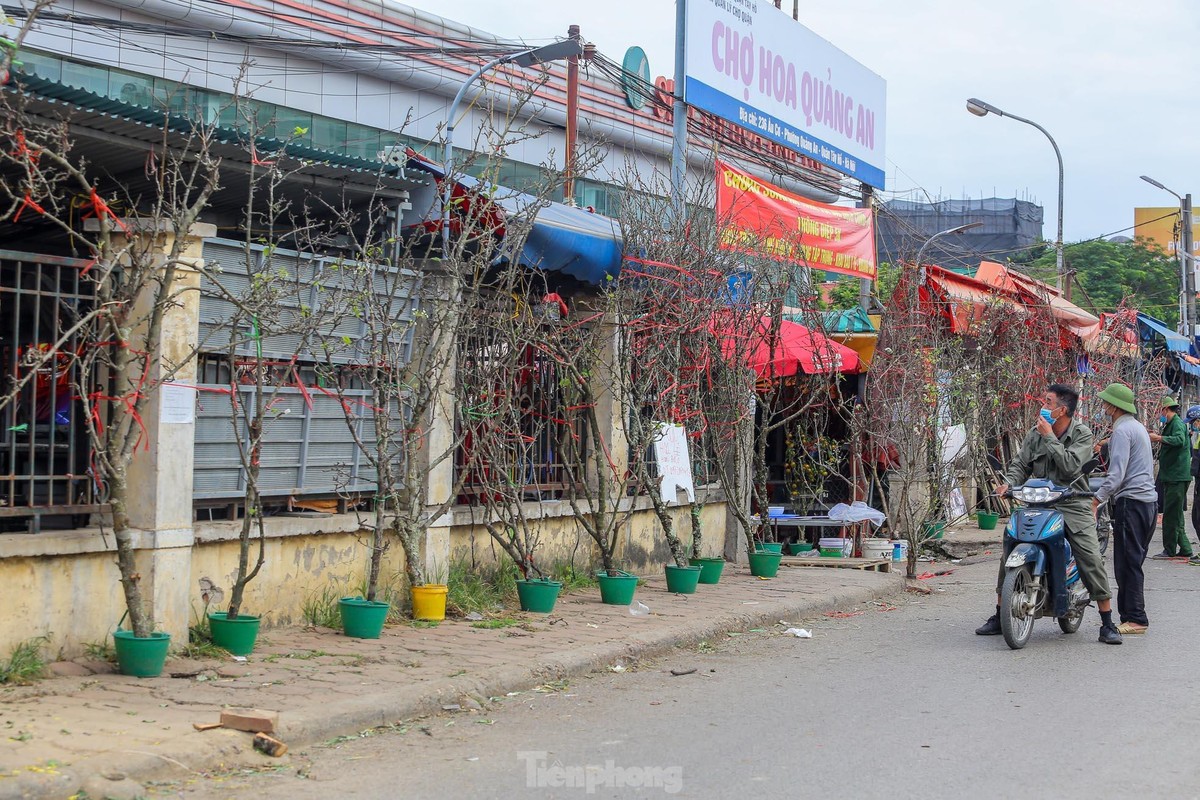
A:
x: 1057, y: 449
x: 1175, y: 473
x: 1129, y: 491
x: 1192, y: 418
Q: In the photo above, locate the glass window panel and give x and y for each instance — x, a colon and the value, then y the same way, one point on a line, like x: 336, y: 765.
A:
x: 293, y: 126
x: 40, y: 64
x: 328, y: 133
x: 129, y: 88
x: 362, y: 141
x: 85, y: 76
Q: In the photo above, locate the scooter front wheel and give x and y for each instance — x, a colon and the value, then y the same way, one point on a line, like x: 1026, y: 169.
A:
x: 1017, y: 596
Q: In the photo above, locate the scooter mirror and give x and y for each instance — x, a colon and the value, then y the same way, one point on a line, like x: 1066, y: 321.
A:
x: 1090, y: 466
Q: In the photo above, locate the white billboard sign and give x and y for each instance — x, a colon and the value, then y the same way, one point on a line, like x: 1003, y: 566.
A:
x: 755, y: 66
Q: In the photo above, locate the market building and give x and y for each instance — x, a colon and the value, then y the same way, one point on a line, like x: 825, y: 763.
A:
x: 344, y: 86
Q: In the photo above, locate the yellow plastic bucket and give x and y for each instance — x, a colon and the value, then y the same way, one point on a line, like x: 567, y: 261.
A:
x: 429, y: 601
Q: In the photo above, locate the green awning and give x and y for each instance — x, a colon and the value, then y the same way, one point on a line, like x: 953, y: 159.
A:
x: 851, y: 320
x: 88, y: 101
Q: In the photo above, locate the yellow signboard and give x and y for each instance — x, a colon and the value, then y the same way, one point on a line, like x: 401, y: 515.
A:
x: 1160, y: 225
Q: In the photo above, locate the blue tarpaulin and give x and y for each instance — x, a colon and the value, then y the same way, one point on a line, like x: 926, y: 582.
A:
x: 1150, y: 329
x: 561, y: 238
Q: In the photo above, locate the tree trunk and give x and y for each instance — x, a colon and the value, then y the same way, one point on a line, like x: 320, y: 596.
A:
x: 245, y: 574
x: 254, y: 428
x: 697, y: 529
x: 139, y: 621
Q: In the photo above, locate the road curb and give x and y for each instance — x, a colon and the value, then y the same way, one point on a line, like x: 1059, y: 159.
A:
x: 375, y: 711
x: 302, y: 728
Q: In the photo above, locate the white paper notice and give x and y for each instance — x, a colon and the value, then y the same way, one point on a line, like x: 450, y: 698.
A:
x: 674, y: 465
x: 178, y: 404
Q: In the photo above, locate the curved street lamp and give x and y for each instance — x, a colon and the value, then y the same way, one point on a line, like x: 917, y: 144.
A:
x: 938, y: 235
x: 556, y: 51
x: 982, y: 109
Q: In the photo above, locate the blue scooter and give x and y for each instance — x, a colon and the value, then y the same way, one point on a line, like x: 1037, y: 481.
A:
x: 1040, y: 575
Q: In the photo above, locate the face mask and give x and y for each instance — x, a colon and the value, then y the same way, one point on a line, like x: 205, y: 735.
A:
x: 1048, y: 416
x: 1163, y: 419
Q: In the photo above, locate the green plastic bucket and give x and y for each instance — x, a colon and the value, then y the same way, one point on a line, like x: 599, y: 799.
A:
x: 141, y: 658
x: 617, y: 590
x: 933, y: 530
x: 710, y: 569
x: 769, y: 547
x: 765, y: 565
x: 363, y: 619
x: 988, y: 521
x: 539, y: 596
x: 682, y: 580
x: 796, y: 548
x: 235, y: 635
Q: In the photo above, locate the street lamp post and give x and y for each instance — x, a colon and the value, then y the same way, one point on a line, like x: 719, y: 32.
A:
x: 938, y: 235
x: 1187, y: 275
x: 982, y: 109
x: 522, y: 58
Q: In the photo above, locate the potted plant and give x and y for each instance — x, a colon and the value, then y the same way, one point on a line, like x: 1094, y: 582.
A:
x: 254, y: 386
x: 596, y: 488
x: 711, y: 569
x: 389, y: 382
x: 136, y: 272
x: 429, y: 599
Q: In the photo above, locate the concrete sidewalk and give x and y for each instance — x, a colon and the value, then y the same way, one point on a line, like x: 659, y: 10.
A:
x: 104, y: 731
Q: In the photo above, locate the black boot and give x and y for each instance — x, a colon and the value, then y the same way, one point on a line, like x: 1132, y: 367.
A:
x: 991, y: 627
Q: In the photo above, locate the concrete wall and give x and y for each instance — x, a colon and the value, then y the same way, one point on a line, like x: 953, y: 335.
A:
x: 304, y: 557
x: 63, y: 585
x: 72, y: 597
x: 641, y: 547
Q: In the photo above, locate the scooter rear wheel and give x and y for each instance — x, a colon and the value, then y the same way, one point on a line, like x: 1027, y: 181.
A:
x: 1017, y: 597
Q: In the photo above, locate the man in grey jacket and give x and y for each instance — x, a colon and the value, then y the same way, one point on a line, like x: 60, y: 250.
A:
x: 1129, y: 489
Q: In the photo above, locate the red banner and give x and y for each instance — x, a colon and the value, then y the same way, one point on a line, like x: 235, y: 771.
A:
x: 762, y: 219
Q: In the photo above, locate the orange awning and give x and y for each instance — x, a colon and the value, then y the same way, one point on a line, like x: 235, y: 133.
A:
x: 964, y: 299
x: 1034, y: 292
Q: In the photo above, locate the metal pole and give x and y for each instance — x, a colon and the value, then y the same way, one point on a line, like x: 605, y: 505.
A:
x: 679, y: 115
x: 572, y: 120
x: 448, y: 148
x: 864, y: 284
x: 1063, y: 288
x: 1189, y: 271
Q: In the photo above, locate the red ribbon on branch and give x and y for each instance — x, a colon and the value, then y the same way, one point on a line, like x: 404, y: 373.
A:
x: 101, y: 209
x: 28, y: 202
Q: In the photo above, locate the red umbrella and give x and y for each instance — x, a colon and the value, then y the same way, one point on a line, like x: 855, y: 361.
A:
x: 796, y: 349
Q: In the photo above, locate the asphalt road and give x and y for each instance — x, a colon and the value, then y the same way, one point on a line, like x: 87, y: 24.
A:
x: 885, y: 703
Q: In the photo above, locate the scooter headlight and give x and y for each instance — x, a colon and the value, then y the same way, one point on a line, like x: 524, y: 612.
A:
x: 1039, y: 495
